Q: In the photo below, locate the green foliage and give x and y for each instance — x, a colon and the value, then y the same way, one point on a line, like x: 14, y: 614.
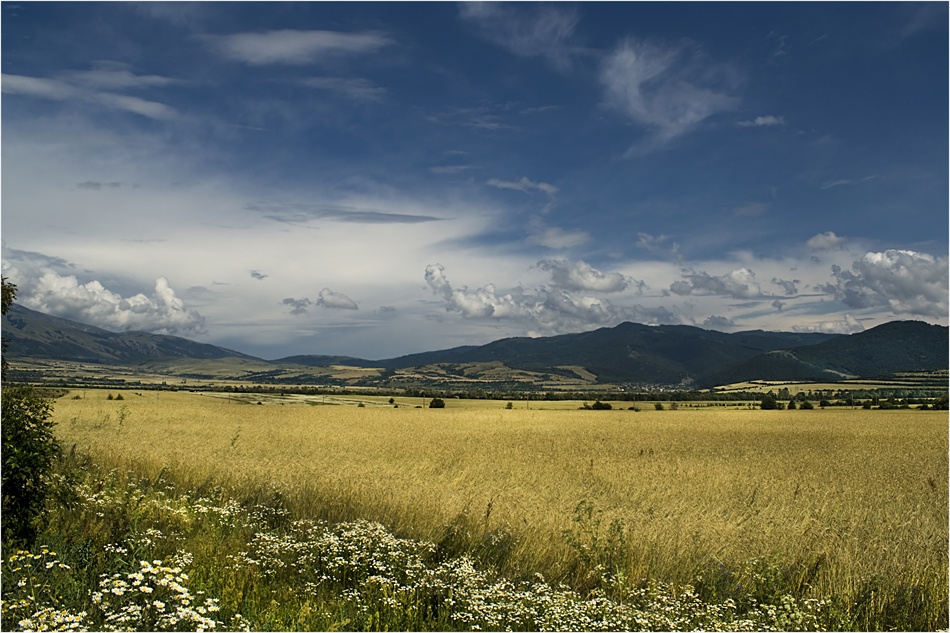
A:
x: 437, y: 403
x: 769, y: 403
x: 791, y: 405
x: 29, y: 451
x: 658, y: 406
x: 8, y: 295
x: 806, y: 404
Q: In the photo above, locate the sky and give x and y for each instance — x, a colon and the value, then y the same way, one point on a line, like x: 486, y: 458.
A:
x: 379, y: 179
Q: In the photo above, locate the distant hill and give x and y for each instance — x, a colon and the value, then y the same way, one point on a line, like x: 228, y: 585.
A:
x: 32, y: 334
x: 629, y: 353
x: 897, y: 346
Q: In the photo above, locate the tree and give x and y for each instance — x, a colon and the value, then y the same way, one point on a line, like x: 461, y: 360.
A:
x: 437, y: 403
x: 791, y: 405
x: 29, y: 451
x: 769, y: 402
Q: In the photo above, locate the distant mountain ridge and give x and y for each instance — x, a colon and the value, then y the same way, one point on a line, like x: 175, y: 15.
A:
x: 32, y: 334
x: 629, y: 353
x: 897, y: 346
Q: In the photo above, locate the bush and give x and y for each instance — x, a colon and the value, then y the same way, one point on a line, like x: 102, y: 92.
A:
x: 769, y: 403
x: 29, y: 452
x: 437, y: 403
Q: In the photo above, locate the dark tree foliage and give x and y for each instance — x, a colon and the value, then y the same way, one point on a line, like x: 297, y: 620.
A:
x: 28, y: 453
x: 769, y: 402
x: 437, y: 403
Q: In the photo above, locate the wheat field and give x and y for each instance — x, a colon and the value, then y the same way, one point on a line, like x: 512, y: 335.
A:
x: 847, y: 499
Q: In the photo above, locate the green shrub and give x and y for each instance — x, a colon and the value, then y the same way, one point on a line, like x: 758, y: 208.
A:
x: 437, y: 403
x: 29, y: 451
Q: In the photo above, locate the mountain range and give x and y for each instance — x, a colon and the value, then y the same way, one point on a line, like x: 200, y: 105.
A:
x: 628, y: 353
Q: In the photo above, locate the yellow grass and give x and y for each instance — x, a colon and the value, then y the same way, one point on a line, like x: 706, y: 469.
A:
x: 865, y: 492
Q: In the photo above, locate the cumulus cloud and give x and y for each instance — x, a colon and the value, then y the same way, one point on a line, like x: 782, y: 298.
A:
x: 905, y: 281
x: 651, y: 85
x: 63, y: 296
x: 825, y: 241
x: 582, y: 276
x: 542, y: 31
x: 846, y: 325
x: 524, y: 185
x: 547, y: 310
x: 738, y: 284
x: 294, y: 47
x: 335, y: 300
x: 718, y: 323
x: 297, y: 306
x: 790, y: 287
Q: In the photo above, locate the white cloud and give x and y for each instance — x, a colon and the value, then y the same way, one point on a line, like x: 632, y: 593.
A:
x: 763, y: 121
x: 790, y: 287
x: 524, y: 185
x: 718, y: 323
x: 294, y: 47
x: 646, y: 82
x: 738, y: 284
x: 42, y: 288
x: 554, y: 237
x: 825, y: 241
x: 547, y: 311
x: 59, y: 90
x: 905, y: 281
x: 335, y: 300
x: 543, y: 32
x: 846, y: 325
x: 582, y: 276
x: 107, y: 75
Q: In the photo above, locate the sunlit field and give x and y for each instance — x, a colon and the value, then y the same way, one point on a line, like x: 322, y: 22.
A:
x: 836, y: 502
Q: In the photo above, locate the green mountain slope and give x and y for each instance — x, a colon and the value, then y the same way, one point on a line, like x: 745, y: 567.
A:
x: 897, y: 346
x: 31, y: 334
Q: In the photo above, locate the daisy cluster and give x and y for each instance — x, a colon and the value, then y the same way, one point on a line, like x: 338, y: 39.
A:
x: 374, y: 570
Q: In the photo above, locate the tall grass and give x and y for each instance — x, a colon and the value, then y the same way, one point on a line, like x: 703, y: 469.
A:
x: 739, y: 504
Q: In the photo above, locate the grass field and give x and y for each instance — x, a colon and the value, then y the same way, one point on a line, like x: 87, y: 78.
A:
x: 840, y: 503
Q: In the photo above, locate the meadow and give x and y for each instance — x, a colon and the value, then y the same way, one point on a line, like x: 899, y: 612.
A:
x: 839, y: 515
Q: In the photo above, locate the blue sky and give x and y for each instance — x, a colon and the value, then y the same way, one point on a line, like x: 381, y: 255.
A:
x: 376, y: 179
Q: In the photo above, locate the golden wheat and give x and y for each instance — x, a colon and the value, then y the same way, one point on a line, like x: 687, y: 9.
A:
x: 861, y: 494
